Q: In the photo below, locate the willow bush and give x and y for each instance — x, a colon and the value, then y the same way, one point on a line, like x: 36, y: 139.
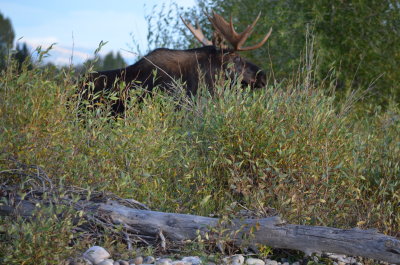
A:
x: 290, y: 148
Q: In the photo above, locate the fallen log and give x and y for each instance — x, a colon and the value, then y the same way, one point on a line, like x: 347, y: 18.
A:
x: 109, y: 211
x: 270, y: 231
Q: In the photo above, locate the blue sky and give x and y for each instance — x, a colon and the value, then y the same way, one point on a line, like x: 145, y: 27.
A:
x: 79, y: 25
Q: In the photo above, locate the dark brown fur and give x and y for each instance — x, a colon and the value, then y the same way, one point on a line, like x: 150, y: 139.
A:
x: 189, y: 66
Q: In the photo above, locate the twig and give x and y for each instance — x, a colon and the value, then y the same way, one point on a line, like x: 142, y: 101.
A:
x: 163, y: 242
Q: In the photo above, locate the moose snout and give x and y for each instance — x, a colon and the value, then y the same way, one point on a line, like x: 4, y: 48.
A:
x: 261, y: 80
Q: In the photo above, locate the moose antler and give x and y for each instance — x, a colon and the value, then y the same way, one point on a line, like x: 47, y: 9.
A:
x: 197, y: 32
x: 229, y: 33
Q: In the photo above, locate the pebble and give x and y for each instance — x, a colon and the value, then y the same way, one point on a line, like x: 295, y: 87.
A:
x: 79, y: 261
x: 138, y: 260
x: 180, y: 262
x: 238, y: 259
x: 253, y: 261
x: 193, y: 260
x: 343, y: 259
x: 164, y: 262
x: 234, y: 260
x: 96, y: 254
x: 106, y: 262
x: 149, y: 260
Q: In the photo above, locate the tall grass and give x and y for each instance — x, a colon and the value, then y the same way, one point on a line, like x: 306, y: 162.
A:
x: 288, y: 148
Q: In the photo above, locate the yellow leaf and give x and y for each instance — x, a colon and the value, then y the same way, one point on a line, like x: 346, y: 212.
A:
x: 360, y: 223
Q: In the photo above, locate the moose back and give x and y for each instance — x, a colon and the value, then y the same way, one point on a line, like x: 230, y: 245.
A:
x: 162, y: 67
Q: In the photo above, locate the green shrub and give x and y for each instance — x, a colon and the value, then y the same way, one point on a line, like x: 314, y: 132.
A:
x: 287, y: 148
x: 44, y: 240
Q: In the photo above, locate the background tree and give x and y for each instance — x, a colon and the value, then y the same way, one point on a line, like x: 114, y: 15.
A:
x: 361, y: 39
x: 111, y: 61
x: 22, y: 55
x: 356, y: 42
x: 108, y: 62
x: 6, y: 39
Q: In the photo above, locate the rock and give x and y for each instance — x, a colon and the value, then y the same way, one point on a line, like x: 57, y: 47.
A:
x: 238, y: 258
x: 193, y: 260
x: 234, y: 260
x: 106, y: 262
x: 180, y: 262
x: 164, y: 262
x: 253, y: 261
x: 296, y: 263
x: 96, y: 254
x: 117, y: 263
x: 138, y: 260
x: 271, y: 262
x: 149, y: 260
x: 342, y: 259
x: 285, y: 263
x: 79, y: 261
x: 123, y: 262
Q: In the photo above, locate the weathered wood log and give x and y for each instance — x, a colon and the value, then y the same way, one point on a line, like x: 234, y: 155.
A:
x: 270, y: 231
x: 136, y: 218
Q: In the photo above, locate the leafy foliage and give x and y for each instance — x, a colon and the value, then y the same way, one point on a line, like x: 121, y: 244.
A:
x: 45, y: 241
x: 290, y: 149
x: 356, y: 40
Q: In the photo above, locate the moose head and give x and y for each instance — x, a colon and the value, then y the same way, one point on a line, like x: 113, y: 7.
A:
x: 250, y: 73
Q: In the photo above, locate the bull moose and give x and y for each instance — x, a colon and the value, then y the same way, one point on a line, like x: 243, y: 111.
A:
x: 162, y: 66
